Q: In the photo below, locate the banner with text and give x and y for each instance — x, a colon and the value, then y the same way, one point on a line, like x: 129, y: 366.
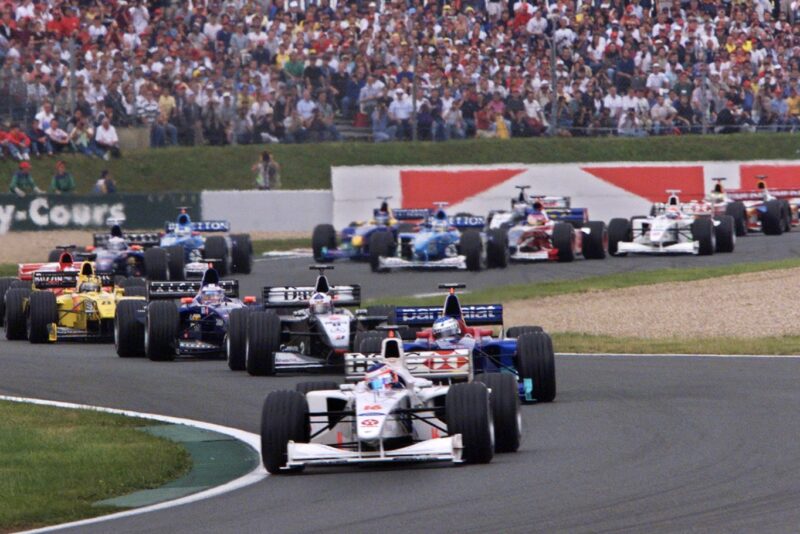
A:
x: 56, y: 212
x: 608, y: 190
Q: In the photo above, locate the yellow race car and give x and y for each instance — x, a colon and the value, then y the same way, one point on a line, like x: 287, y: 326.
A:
x: 84, y: 309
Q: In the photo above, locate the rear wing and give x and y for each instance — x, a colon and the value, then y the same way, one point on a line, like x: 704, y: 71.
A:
x: 463, y: 222
x: 476, y: 314
x: 65, y: 280
x: 576, y: 216
x: 202, y: 226
x: 297, y: 297
x: 177, y: 290
x: 758, y: 194
x: 142, y: 239
x: 411, y: 214
x: 453, y: 364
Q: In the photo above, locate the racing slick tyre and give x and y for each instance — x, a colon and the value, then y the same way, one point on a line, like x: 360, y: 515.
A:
x: 161, y: 331
x: 516, y: 331
x: 725, y: 233
x: 14, y: 318
x: 371, y: 345
x: 739, y: 214
x: 786, y: 212
x: 595, y: 243
x: 21, y: 284
x: 361, y: 337
x: 564, y: 241
x: 176, y: 261
x: 5, y: 285
x: 155, y: 264
x: 263, y: 340
x: 323, y: 238
x: 468, y: 413
x: 54, y: 255
x: 497, y: 251
x: 319, y: 385
x: 128, y: 331
x: 504, y: 401
x: 242, y: 253
x: 284, y: 418
x: 216, y: 248
x: 619, y: 230
x: 381, y: 245
x: 536, y: 362
x: 236, y: 339
x: 471, y: 245
x: 42, y: 312
x: 125, y: 283
x: 772, y: 218
x: 135, y: 291
x: 703, y: 232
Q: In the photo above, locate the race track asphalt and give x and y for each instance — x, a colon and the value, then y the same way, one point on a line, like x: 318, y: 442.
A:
x: 640, y: 444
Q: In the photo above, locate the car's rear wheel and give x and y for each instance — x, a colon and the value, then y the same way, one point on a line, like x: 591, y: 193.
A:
x: 504, y: 400
x: 497, y: 251
x: 16, y: 321
x: 176, y: 261
x: 216, y: 250
x: 284, y: 418
x: 128, y: 330
x: 263, y: 340
x: 161, y: 330
x: 42, y: 312
x: 468, y: 413
x: 739, y: 214
x: 471, y: 245
x: 323, y: 238
x: 155, y: 264
x: 536, y: 363
x: 242, y: 253
x: 516, y: 331
x: 772, y: 218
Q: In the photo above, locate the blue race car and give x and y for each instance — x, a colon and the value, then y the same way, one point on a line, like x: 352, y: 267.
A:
x: 525, y: 351
x: 189, y: 252
x: 441, y: 242
x: 199, y: 323
x: 353, y: 242
x: 129, y: 254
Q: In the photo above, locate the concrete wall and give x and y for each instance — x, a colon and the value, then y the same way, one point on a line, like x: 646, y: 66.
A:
x: 269, y: 211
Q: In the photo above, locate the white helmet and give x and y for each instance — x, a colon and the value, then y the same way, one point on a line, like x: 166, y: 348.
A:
x: 320, y: 303
x: 116, y: 244
x: 212, y: 295
x: 445, y: 327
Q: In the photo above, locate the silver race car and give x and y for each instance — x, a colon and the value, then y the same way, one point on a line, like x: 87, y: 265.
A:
x: 395, y: 406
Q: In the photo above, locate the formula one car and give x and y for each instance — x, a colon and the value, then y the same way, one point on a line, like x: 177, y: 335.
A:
x: 189, y: 252
x: 524, y: 351
x: 199, y: 325
x: 128, y: 254
x: 353, y: 241
x: 772, y: 212
x: 84, y: 310
x: 440, y: 242
x: 402, y: 407
x: 315, y: 335
x: 673, y: 228
x: 547, y: 228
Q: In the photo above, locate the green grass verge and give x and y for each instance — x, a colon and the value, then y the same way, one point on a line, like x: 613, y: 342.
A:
x: 599, y: 283
x: 308, y: 166
x: 55, y: 463
x: 267, y: 245
x: 585, y: 343
x: 8, y: 269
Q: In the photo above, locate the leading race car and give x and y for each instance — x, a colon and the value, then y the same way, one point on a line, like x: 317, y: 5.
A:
x: 524, y: 351
x: 772, y: 212
x: 353, y: 242
x: 304, y: 328
x: 84, y: 310
x: 441, y: 242
x: 548, y: 228
x: 199, y: 325
x: 673, y: 228
x: 403, y: 407
x: 189, y: 251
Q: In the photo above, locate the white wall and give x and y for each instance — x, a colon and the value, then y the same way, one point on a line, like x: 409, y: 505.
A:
x: 270, y: 211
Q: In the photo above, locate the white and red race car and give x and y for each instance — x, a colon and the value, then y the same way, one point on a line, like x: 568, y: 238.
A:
x: 65, y: 263
x: 771, y: 211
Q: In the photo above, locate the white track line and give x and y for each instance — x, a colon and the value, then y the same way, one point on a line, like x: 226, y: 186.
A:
x: 725, y: 356
x: 253, y: 440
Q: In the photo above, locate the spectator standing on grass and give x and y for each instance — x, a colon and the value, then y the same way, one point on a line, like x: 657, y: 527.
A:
x: 267, y: 172
x: 22, y: 184
x: 105, y: 185
x: 63, y: 182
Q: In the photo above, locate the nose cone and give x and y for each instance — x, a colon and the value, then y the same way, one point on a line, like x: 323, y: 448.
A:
x: 369, y: 427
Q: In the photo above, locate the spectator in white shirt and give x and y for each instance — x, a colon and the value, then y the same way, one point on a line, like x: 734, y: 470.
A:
x: 306, y: 106
x: 613, y: 102
x: 59, y: 139
x: 107, y: 140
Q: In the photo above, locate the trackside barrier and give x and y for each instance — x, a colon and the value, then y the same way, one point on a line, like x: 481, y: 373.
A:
x: 269, y: 211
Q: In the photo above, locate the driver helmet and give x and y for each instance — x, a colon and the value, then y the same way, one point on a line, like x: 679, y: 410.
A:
x: 183, y: 230
x: 445, y: 327
x: 672, y: 212
x: 380, y: 377
x: 382, y: 218
x: 116, y: 244
x: 439, y: 225
x: 320, y: 303
x: 212, y: 295
x: 89, y: 286
x: 537, y: 219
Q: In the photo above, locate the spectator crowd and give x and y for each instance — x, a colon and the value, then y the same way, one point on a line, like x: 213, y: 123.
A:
x: 253, y: 71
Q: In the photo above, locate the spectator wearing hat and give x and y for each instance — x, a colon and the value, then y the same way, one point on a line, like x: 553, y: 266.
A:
x: 62, y: 182
x: 21, y: 183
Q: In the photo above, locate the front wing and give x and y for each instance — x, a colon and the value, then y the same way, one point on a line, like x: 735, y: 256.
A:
x: 455, y: 262
x: 432, y: 450
x: 691, y: 247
